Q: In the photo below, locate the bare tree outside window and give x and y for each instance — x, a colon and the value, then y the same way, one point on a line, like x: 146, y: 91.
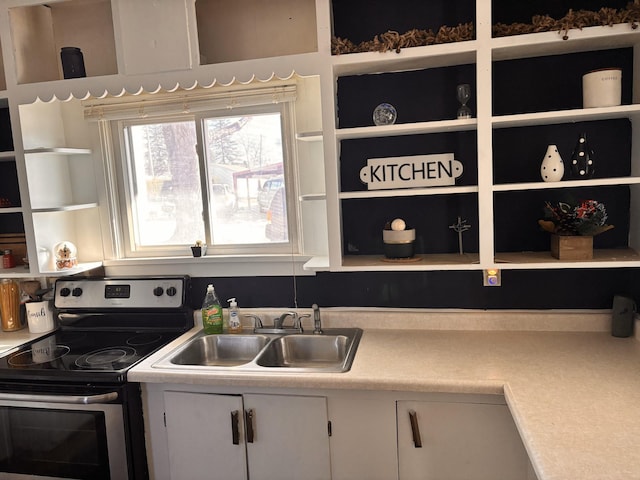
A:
x: 243, y: 154
x: 244, y: 168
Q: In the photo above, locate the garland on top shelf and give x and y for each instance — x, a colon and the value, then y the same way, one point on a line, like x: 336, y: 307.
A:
x: 573, y: 19
x: 392, y: 40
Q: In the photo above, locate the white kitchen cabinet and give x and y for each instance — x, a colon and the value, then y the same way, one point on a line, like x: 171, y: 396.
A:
x: 200, y: 432
x: 190, y: 435
x: 39, y: 31
x: 458, y: 441
x: 363, y: 436
x: 500, y: 192
x: 253, y: 29
x: 154, y: 35
x: 246, y: 436
x: 291, y: 437
x: 11, y: 222
x: 170, y: 44
x: 62, y: 183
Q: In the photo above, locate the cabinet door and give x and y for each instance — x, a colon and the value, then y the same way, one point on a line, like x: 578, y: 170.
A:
x: 155, y: 35
x: 290, y: 437
x: 363, y: 436
x: 200, y: 436
x: 458, y: 441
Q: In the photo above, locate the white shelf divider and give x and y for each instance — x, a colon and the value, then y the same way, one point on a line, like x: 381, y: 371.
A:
x: 58, y: 150
x: 454, y: 125
x: 65, y: 208
x: 552, y: 43
x: 408, y: 192
x: 508, y: 187
x: 565, y: 116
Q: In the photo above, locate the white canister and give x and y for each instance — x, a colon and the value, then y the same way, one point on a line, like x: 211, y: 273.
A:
x: 39, y: 317
x: 602, y: 88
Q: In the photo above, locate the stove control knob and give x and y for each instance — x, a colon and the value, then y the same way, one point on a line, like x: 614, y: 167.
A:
x: 76, y: 292
x: 158, y: 291
x: 171, y: 291
x: 65, y: 292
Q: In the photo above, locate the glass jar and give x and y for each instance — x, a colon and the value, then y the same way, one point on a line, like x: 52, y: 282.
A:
x: 10, y: 305
x: 7, y: 259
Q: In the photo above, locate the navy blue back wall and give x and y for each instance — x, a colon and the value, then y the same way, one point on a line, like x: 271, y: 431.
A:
x: 522, y: 289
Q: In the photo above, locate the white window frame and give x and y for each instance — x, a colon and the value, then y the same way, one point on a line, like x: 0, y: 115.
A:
x: 114, y: 115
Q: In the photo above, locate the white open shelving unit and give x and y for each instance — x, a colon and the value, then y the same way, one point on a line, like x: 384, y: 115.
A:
x: 122, y: 56
x: 483, y: 52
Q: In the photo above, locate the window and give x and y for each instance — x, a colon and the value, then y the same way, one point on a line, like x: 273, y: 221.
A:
x: 216, y: 168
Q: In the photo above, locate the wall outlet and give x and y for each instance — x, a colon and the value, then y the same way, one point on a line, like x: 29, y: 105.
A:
x: 491, y: 277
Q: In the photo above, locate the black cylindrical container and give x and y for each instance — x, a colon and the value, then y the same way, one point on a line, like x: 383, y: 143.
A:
x: 622, y: 316
x: 72, y: 62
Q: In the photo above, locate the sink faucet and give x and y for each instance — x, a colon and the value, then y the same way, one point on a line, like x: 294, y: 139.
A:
x: 317, y: 324
x: 257, y: 321
x: 279, y: 321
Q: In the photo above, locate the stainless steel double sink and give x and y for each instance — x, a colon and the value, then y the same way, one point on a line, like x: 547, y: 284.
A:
x: 331, y: 351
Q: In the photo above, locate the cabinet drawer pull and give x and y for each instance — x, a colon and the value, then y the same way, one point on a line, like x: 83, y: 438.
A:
x: 248, y: 415
x: 415, y: 429
x: 235, y: 431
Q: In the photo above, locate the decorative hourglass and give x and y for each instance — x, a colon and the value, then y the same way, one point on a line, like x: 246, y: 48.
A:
x: 463, y: 92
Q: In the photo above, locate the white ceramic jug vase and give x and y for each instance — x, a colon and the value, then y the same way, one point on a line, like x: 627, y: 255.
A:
x: 552, y: 167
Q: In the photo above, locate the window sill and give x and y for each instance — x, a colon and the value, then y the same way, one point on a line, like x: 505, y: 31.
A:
x: 207, y: 266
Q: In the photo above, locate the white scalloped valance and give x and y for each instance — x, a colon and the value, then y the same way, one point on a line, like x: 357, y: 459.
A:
x: 185, y: 101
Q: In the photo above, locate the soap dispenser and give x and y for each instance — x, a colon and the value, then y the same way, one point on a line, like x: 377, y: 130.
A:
x: 234, y: 319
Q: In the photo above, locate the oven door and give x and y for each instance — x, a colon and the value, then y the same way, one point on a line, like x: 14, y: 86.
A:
x: 62, y: 436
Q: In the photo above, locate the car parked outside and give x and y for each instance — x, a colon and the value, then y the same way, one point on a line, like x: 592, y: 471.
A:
x: 277, y: 229
x: 267, y: 192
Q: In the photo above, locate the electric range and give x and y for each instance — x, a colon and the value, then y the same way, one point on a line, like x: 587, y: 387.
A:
x: 66, y: 407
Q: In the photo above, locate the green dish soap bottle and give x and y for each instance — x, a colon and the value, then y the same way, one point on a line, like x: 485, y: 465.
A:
x: 211, y: 312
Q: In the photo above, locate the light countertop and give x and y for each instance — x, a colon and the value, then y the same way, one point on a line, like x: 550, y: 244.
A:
x: 10, y: 340
x: 572, y: 388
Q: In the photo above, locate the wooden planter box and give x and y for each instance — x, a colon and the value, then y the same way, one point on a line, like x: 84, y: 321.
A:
x: 568, y: 247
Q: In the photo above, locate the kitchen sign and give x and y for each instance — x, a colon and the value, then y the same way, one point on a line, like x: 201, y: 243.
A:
x: 411, y: 172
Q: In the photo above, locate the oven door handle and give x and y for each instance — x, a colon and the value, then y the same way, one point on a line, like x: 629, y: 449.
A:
x: 80, y: 399
x: 71, y: 318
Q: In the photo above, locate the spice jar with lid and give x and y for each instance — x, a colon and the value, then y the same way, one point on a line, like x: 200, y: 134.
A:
x: 7, y: 259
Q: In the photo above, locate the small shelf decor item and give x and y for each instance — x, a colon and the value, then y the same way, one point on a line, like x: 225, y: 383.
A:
x: 573, y: 19
x: 66, y: 255
x: 72, y: 62
x: 602, y: 88
x: 463, y: 94
x: 396, y: 41
x: 460, y: 227
x: 199, y: 249
x: 552, y: 166
x: 573, y: 226
x: 582, y: 159
x: 384, y: 114
x: 398, y: 240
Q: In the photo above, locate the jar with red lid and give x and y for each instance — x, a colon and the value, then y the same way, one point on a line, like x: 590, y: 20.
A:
x: 7, y: 259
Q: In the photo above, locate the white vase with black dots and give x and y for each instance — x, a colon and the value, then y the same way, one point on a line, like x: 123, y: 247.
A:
x: 552, y: 167
x: 582, y: 159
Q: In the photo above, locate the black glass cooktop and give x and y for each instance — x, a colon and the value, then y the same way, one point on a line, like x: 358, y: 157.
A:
x: 83, y: 355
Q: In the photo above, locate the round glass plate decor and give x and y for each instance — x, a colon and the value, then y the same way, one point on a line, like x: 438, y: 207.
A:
x: 384, y: 114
